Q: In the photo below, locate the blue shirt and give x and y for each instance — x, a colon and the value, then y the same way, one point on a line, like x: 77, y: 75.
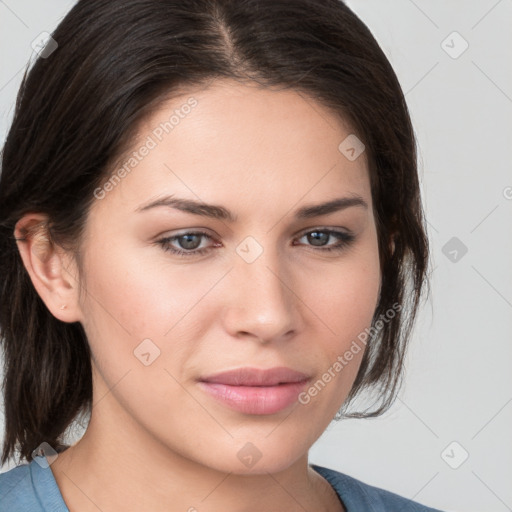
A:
x: 32, y: 488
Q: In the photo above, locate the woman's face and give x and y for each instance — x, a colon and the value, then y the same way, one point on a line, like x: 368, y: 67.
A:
x: 259, y: 290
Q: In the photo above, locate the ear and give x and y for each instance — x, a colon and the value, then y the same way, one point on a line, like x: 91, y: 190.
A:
x: 52, y: 271
x: 394, y: 233
x: 392, y: 238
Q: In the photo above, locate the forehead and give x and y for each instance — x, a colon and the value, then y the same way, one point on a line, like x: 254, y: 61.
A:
x: 231, y: 140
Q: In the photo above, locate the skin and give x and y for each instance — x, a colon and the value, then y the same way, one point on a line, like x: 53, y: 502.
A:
x: 156, y: 441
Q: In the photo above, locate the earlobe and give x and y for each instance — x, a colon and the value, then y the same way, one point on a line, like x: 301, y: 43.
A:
x: 47, y: 265
x: 392, y: 242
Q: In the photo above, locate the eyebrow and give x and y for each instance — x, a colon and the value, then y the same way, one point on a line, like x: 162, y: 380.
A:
x: 221, y: 213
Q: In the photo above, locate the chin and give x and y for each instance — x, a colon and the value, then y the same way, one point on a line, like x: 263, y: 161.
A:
x: 259, y: 457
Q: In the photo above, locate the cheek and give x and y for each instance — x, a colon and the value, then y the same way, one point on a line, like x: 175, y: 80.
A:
x: 137, y: 313
x: 344, y: 297
x: 127, y: 292
x: 343, y: 308
x: 134, y: 296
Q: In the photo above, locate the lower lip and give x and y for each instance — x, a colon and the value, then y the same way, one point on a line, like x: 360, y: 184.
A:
x: 255, y: 399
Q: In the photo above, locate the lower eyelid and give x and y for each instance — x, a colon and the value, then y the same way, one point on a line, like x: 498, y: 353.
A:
x: 343, y: 240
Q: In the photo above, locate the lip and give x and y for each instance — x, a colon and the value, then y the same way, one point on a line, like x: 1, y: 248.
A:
x: 256, y: 391
x: 256, y: 377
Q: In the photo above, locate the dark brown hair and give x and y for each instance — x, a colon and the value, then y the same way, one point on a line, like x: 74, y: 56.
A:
x: 77, y: 110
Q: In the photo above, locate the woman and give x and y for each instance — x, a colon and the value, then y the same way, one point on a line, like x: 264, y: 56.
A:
x: 210, y: 216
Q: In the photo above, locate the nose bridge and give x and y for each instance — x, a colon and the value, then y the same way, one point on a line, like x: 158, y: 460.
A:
x: 263, y: 303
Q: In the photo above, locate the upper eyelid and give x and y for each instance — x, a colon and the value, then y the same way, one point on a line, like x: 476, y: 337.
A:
x: 300, y: 234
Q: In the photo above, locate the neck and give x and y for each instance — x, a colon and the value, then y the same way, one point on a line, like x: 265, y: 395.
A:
x: 108, y: 470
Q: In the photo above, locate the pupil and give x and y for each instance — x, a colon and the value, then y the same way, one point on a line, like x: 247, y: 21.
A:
x: 318, y: 237
x: 188, y: 244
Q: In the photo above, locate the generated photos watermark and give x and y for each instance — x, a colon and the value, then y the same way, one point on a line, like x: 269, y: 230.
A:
x: 151, y: 142
x: 343, y: 360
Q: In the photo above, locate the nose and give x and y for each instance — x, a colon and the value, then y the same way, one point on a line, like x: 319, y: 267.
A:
x: 262, y: 302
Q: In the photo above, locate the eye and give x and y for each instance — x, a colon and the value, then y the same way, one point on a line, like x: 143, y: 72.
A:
x: 318, y: 237
x: 190, y: 241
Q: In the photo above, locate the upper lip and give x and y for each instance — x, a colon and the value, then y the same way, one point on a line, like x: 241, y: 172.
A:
x: 256, y: 377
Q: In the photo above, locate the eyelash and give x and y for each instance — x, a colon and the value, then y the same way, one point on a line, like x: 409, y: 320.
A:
x: 345, y: 240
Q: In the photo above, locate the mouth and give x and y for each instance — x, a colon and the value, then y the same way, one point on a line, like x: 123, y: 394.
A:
x: 255, y: 391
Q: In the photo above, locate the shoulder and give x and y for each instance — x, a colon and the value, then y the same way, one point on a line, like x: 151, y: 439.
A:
x: 30, y: 487
x: 16, y: 491
x: 360, y: 496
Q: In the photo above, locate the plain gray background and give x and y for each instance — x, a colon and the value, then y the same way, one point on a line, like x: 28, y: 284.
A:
x: 457, y: 397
